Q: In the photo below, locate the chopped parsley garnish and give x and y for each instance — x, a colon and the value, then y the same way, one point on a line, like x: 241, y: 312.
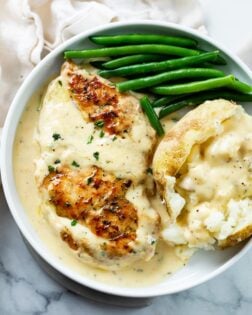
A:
x: 102, y: 134
x: 56, y: 136
x: 74, y: 222
x: 99, y: 123
x: 74, y: 163
x: 57, y: 161
x: 149, y: 171
x: 96, y: 155
x: 90, y: 139
x: 153, y: 242
x: 60, y: 83
x: 89, y: 180
x: 114, y: 138
x: 51, y: 168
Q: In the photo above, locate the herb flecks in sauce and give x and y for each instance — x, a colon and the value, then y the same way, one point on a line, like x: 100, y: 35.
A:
x: 96, y: 155
x: 127, y: 277
x: 89, y: 180
x: 99, y: 123
x: 149, y: 171
x: 75, y: 164
x: 102, y: 134
x: 90, y: 139
x: 100, y: 101
x: 74, y: 222
x: 51, y: 168
x: 56, y: 136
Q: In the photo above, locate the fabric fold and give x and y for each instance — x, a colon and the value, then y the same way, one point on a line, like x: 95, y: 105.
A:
x: 29, y: 29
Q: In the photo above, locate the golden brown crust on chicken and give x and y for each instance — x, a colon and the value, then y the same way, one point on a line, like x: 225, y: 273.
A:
x: 97, y: 199
x: 67, y: 237
x: 99, y: 100
x: 116, y: 225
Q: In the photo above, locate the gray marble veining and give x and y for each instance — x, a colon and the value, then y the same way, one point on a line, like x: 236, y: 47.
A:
x: 26, y: 290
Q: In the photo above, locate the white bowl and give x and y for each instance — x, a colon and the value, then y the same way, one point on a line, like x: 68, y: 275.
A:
x: 203, y: 265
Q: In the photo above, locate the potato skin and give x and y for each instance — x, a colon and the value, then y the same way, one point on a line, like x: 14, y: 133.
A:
x: 236, y: 238
x: 194, y: 128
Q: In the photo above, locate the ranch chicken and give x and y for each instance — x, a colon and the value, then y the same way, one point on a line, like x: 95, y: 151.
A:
x: 95, y: 145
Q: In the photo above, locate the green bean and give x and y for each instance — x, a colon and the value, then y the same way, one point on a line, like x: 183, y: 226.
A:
x: 141, y: 83
x: 108, y: 40
x: 97, y: 64
x: 202, y: 97
x: 173, y: 108
x: 193, y: 87
x: 131, y: 50
x: 160, y: 66
x: 152, y: 116
x: 218, y: 61
x: 210, y: 95
x: 167, y: 100
x: 241, y: 86
x: 130, y: 60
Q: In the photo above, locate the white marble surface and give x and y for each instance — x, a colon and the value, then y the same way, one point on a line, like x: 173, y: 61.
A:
x: 26, y: 290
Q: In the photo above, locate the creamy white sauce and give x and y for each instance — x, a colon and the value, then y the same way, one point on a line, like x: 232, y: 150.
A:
x: 212, y: 194
x: 26, y: 150
x: 221, y: 168
x: 60, y: 116
x: 125, y: 157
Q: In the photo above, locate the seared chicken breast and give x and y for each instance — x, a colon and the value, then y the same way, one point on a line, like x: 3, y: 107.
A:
x: 99, y: 101
x: 203, y: 169
x: 95, y: 148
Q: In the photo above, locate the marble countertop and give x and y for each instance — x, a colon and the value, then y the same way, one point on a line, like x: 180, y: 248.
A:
x: 27, y: 290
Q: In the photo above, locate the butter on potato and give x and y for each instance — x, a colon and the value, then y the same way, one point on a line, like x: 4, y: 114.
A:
x: 203, y: 168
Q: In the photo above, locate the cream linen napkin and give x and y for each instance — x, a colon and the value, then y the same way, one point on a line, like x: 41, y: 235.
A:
x: 31, y: 28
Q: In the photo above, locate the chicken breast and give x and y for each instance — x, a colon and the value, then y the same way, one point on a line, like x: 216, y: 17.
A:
x: 95, y: 147
x: 203, y: 168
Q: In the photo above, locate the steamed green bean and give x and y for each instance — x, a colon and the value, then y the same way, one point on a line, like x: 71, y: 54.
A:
x: 160, y: 66
x: 192, y: 87
x: 128, y: 39
x: 198, y: 99
x: 141, y: 83
x: 132, y: 59
x: 152, y: 116
x: 131, y: 50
